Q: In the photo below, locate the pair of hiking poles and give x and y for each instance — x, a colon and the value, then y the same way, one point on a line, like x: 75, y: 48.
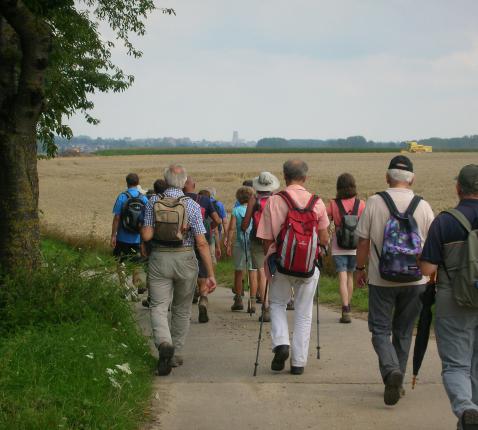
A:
x: 263, y: 307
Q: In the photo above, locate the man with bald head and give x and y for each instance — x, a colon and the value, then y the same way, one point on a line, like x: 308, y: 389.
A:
x: 273, y: 218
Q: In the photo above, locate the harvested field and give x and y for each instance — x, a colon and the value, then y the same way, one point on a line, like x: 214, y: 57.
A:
x: 77, y: 194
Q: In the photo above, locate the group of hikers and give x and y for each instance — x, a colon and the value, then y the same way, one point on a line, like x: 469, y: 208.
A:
x: 391, y: 243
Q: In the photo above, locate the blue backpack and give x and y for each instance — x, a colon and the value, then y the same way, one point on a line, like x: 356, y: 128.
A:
x: 401, y: 243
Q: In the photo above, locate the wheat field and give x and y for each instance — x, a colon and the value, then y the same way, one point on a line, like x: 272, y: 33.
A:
x: 77, y: 194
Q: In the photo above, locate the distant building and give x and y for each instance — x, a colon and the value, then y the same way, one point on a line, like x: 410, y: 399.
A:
x: 235, y: 137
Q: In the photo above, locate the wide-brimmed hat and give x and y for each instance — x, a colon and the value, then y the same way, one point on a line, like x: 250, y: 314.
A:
x: 266, y: 181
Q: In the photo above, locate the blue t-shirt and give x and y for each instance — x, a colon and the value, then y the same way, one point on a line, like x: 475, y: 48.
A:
x: 221, y: 210
x: 124, y: 235
x: 239, y: 213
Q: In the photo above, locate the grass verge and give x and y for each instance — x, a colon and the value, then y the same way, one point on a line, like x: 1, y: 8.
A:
x: 71, y: 356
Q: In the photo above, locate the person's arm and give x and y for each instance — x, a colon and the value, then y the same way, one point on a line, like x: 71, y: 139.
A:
x: 363, y: 250
x: 428, y: 269
x: 266, y: 244
x: 324, y: 237
x: 230, y: 235
x: 217, y: 243
x: 216, y: 220
x: 147, y: 230
x: 147, y: 233
x: 114, y: 229
x: 203, y: 247
x: 249, y: 211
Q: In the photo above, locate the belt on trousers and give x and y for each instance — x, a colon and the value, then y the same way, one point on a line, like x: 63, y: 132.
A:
x: 172, y: 249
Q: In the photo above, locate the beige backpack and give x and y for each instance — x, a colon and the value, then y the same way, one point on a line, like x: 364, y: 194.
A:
x: 170, y: 221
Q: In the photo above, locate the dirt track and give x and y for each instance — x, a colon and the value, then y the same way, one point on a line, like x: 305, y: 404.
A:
x: 215, y: 390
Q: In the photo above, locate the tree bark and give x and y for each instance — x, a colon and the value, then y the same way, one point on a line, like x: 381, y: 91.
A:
x: 25, y: 45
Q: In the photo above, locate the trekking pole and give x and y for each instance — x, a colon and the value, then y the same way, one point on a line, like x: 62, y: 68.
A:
x: 259, y: 340
x: 249, y: 302
x: 318, y: 321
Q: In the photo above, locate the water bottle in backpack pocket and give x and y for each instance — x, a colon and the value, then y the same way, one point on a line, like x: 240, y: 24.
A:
x: 346, y: 232
x: 402, y: 244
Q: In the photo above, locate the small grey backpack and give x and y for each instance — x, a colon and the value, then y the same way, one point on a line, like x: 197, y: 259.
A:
x: 346, y: 233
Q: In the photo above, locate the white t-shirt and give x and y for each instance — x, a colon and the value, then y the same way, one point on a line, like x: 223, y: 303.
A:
x: 372, y: 224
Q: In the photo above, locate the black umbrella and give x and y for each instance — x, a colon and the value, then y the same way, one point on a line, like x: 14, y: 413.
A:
x: 423, y: 329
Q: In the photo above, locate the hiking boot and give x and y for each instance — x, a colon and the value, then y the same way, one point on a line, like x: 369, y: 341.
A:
x: 176, y: 361
x: 281, y: 355
x: 469, y: 420
x: 145, y: 303
x: 290, y: 305
x: 251, y: 306
x: 237, y: 305
x: 296, y: 370
x: 166, y: 352
x: 266, y: 315
x: 345, y: 319
x: 393, y: 383
x: 203, y: 317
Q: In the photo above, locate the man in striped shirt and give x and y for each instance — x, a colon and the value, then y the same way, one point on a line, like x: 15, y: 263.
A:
x: 173, y: 273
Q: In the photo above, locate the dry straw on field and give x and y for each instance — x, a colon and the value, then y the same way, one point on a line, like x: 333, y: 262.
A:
x: 76, y: 193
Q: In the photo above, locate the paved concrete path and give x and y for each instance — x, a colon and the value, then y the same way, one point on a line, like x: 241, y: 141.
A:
x: 215, y: 389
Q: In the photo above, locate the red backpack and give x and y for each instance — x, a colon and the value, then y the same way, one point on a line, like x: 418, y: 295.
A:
x: 257, y: 214
x: 298, y: 247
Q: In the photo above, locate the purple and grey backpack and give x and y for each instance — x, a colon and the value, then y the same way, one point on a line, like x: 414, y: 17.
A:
x: 401, y: 243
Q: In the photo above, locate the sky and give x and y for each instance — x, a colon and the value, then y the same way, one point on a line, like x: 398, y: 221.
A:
x: 384, y: 69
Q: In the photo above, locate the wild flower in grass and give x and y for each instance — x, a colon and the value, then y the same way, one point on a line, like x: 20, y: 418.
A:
x: 114, y: 382
x: 110, y: 372
x: 124, y: 368
x: 124, y: 345
x: 90, y: 356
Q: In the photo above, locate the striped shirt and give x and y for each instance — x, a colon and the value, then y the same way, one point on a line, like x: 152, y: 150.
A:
x: 192, y: 208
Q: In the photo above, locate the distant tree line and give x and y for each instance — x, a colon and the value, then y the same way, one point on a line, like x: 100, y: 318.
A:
x: 359, y: 142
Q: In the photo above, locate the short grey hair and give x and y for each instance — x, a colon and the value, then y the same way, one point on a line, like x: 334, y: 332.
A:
x: 295, y: 170
x: 399, y: 175
x: 176, y: 176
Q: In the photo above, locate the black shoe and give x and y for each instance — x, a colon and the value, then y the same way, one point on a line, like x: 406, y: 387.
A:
x: 469, y: 420
x: 166, y: 352
x: 290, y: 305
x: 393, y: 384
x: 258, y: 300
x: 281, y: 355
x: 145, y: 303
x: 296, y: 370
x: 203, y: 317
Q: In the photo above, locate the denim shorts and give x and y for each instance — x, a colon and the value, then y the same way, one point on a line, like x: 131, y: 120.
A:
x: 345, y: 263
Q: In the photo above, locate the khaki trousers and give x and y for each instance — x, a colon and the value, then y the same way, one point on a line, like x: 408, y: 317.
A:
x: 172, y: 279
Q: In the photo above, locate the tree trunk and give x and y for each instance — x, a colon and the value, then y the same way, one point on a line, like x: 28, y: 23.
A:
x: 24, y: 50
x: 19, y: 226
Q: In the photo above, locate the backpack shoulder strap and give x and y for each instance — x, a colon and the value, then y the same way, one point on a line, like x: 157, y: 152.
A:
x: 356, y: 207
x: 390, y: 204
x: 462, y: 219
x: 127, y: 194
x: 413, y: 205
x: 287, y: 198
x: 312, y: 202
x: 340, y: 205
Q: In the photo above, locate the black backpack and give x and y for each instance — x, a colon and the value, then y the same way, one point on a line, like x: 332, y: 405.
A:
x: 132, y: 213
x: 346, y: 233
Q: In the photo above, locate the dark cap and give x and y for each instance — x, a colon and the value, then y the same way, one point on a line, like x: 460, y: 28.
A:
x: 468, y: 179
x: 402, y: 163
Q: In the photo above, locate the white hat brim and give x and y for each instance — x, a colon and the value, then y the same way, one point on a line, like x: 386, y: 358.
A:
x: 261, y: 187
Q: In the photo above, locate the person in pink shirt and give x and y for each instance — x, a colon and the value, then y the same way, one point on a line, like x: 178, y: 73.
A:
x: 345, y: 203
x: 273, y: 217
